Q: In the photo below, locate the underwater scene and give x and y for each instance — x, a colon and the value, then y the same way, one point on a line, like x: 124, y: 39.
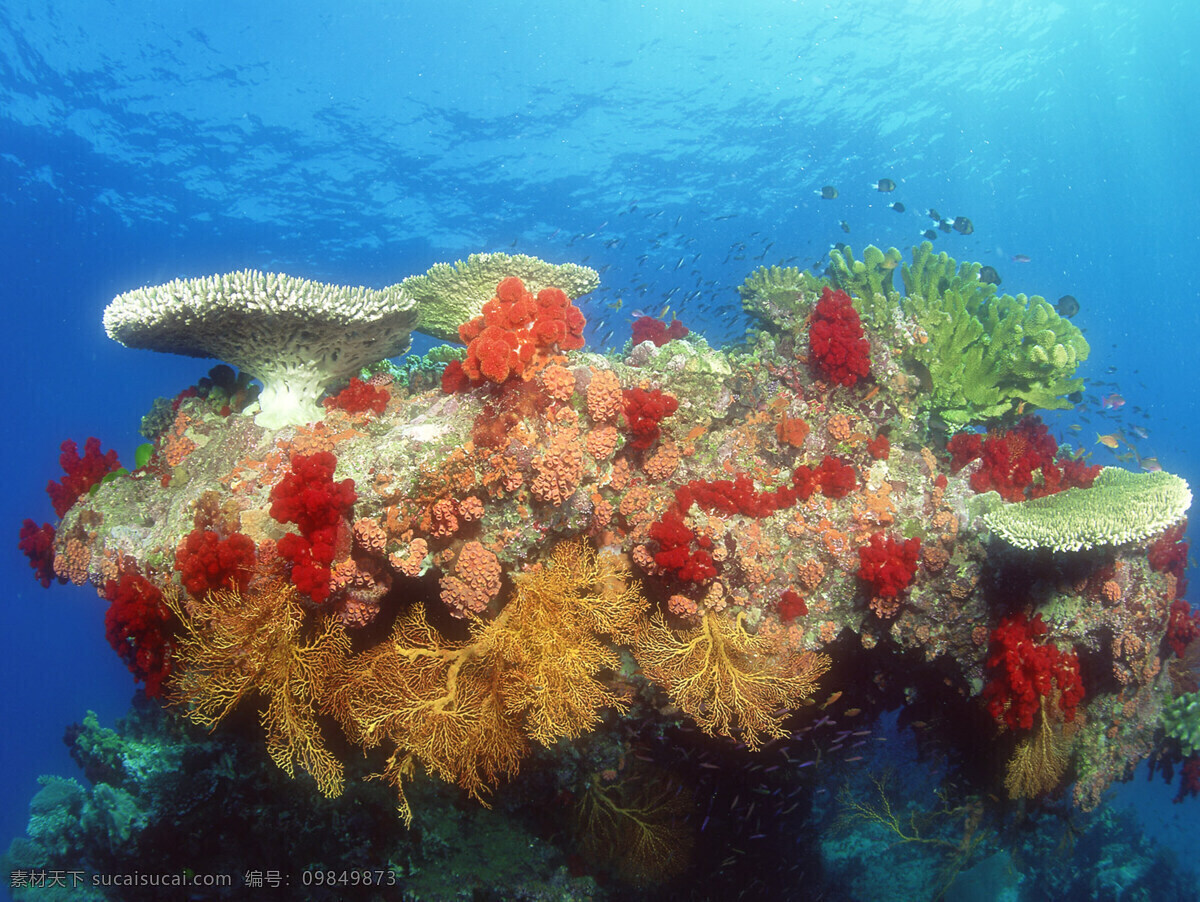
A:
x: 600, y: 451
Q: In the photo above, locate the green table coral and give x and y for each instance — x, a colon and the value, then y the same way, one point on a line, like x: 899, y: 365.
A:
x: 1119, y: 507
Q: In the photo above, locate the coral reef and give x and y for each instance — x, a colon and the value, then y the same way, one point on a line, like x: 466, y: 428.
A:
x: 527, y: 559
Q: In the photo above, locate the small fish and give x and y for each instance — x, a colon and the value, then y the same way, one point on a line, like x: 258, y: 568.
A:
x: 963, y: 226
x: 828, y: 192
x: 1139, y: 431
x: 898, y: 207
x: 988, y: 275
x: 885, y: 185
x: 852, y: 712
x: 832, y: 698
x: 1067, y: 306
x: 929, y: 234
x: 1075, y: 427
x: 945, y: 225
x: 1112, y: 402
x: 934, y: 215
x: 845, y: 226
x: 1021, y: 258
x: 1112, y: 440
x: 1150, y: 464
x: 617, y: 304
x: 1075, y: 397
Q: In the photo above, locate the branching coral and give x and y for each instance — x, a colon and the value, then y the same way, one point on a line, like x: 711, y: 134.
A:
x: 636, y: 825
x: 235, y: 644
x: 722, y: 677
x: 466, y: 710
x: 1040, y: 759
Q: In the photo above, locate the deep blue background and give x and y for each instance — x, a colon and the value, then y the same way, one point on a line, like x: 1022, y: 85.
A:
x: 674, y: 147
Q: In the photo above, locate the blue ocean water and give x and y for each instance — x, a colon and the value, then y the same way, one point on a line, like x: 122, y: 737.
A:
x: 672, y: 147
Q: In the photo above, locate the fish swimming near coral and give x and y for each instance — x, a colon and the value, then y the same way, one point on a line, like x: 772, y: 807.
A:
x: 962, y: 225
x: 1067, y: 306
x: 988, y: 275
x: 1112, y: 440
x: 1112, y: 402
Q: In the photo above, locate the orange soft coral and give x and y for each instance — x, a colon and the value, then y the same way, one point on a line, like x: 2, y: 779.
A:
x: 514, y: 333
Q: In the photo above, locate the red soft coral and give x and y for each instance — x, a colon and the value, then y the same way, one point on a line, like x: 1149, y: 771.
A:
x: 736, y: 496
x: 1169, y: 554
x: 1019, y: 463
x: 644, y: 410
x: 888, y: 566
x: 137, y: 625
x: 206, y: 561
x: 1028, y: 670
x: 835, y: 339
x: 791, y: 606
x: 81, y: 473
x: 835, y: 477
x: 359, y: 397
x: 37, y: 542
x: 681, y: 552
x: 647, y: 328
x: 320, y: 507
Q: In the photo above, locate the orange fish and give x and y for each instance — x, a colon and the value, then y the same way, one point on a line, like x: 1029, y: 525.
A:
x: 1112, y: 440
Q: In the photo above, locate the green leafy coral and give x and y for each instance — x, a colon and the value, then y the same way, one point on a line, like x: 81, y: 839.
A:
x: 986, y: 356
x: 868, y: 281
x: 782, y: 296
x: 1181, y: 720
x: 1119, y: 507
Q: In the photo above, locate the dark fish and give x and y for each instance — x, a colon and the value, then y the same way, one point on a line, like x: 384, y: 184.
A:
x: 945, y: 225
x: 929, y: 234
x: 963, y: 226
x: 934, y: 215
x: 886, y: 185
x: 1075, y: 397
x: 989, y: 276
x: 829, y: 192
x: 1067, y: 306
x: 898, y: 207
x: 845, y: 226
